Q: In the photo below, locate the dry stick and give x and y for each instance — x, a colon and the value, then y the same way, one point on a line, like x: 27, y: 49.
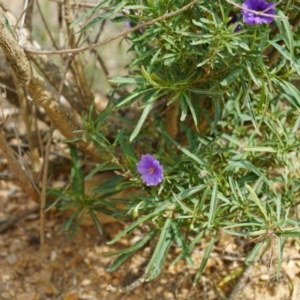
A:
x: 53, y: 75
x: 44, y: 189
x: 11, y: 221
x: 245, y: 275
x: 274, y: 54
x: 46, y: 25
x: 39, y: 92
x: 122, y: 34
x: 84, y: 5
x: 79, y: 72
x: 172, y: 118
x: 19, y: 173
x: 259, y: 13
x: 21, y: 18
x: 96, y: 53
x: 29, y: 16
x: 127, y: 288
x: 31, y: 129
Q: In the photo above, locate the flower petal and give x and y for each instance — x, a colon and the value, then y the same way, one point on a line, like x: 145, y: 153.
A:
x: 150, y: 169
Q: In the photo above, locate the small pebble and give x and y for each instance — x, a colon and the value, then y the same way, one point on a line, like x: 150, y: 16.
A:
x: 12, y: 258
x: 264, y: 277
x: 86, y: 282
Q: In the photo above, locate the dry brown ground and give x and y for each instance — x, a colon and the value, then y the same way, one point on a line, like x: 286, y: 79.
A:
x: 76, y: 269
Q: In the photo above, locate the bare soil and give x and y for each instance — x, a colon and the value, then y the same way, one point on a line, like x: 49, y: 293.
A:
x: 76, y: 269
x: 65, y: 269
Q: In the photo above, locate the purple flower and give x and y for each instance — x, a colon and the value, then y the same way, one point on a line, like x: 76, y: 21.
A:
x: 259, y: 6
x: 234, y: 19
x: 150, y: 169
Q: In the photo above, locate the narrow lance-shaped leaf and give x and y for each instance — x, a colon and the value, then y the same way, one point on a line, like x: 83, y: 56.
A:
x: 205, y: 258
x: 89, y: 12
x: 144, y: 115
x: 258, y: 202
x: 181, y: 243
x: 159, y: 209
x: 76, y: 172
x: 213, y: 204
x: 161, y: 250
x: 253, y: 255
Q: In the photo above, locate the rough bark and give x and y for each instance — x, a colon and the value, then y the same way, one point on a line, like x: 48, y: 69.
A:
x: 17, y: 170
x: 38, y: 90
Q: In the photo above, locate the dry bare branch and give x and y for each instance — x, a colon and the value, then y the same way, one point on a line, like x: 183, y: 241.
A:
x: 40, y: 93
x: 16, y: 168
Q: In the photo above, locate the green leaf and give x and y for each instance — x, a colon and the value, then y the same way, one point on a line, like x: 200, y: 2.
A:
x: 183, y: 106
x: 159, y: 209
x: 137, y: 245
x: 89, y: 12
x: 181, y: 243
x: 188, y: 153
x: 289, y: 234
x: 128, y: 150
x: 291, y: 90
x: 146, y: 111
x: 213, y: 205
x: 96, y: 20
x: 281, y: 50
x: 118, y: 262
x: 260, y: 149
x: 252, y: 257
x: 252, y: 114
x: 191, y: 107
x: 258, y: 202
x: 109, y: 186
x: 130, y: 97
x: 106, y: 166
x: 77, y: 224
x: 149, y: 78
x: 203, y: 92
x: 127, y: 80
x: 77, y: 178
x: 280, y: 251
x: 233, y: 76
x: 161, y: 250
x: 96, y: 221
x: 205, y: 258
x: 69, y: 222
x: 248, y: 166
x: 7, y: 24
x: 190, y: 247
x: 285, y: 30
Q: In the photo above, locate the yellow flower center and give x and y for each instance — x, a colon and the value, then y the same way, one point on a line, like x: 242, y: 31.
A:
x: 151, y: 170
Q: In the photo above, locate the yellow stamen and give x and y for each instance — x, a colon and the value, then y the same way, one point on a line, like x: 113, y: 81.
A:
x: 151, y: 170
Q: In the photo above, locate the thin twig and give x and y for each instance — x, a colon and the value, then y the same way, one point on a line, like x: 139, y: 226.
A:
x: 78, y: 73
x: 11, y: 221
x: 31, y: 129
x: 15, y: 167
x: 44, y: 189
x: 21, y: 18
x: 172, y: 118
x: 39, y: 92
x: 84, y: 5
x: 46, y: 25
x: 240, y: 285
x: 122, y: 34
x: 22, y: 22
x: 259, y: 13
x: 127, y: 288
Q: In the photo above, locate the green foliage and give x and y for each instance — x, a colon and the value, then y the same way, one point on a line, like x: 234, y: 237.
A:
x: 240, y: 172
